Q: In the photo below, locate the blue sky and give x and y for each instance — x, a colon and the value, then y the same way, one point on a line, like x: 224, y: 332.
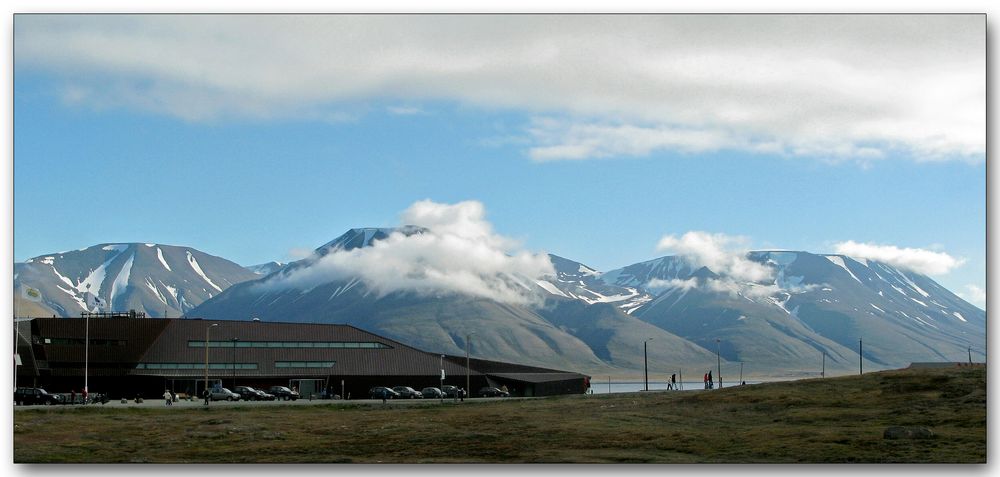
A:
x: 256, y: 157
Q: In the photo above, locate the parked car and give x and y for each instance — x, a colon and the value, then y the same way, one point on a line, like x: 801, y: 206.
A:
x: 452, y: 391
x: 493, y: 392
x: 248, y: 393
x: 408, y: 392
x: 27, y: 396
x: 223, y: 394
x: 265, y: 396
x: 432, y: 393
x: 382, y: 392
x: 283, y: 393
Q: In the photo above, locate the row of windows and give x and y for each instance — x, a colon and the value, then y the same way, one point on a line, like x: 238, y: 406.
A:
x: 287, y: 344
x: 80, y: 341
x: 277, y: 364
x: 304, y: 364
x: 196, y: 366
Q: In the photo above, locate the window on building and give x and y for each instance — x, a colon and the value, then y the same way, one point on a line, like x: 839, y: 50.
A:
x: 229, y: 366
x: 289, y: 344
x: 304, y: 364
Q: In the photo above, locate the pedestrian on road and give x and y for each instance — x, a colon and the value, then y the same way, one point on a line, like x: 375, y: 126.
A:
x: 673, y: 380
x: 168, y: 397
x: 206, y: 394
x: 706, y: 380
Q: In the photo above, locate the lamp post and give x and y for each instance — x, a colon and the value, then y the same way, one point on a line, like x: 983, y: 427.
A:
x: 861, y: 358
x: 718, y: 360
x: 645, y: 362
x: 970, y: 354
x: 442, y: 380
x: 234, y: 361
x: 86, y: 357
x: 741, y: 374
x: 468, y: 387
x: 207, y: 329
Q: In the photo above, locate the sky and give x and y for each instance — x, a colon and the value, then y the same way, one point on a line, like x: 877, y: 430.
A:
x: 596, y: 138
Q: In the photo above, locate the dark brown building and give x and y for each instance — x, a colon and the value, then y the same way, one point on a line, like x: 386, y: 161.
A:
x: 129, y: 356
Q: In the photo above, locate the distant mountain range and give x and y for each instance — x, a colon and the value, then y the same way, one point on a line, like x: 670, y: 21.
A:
x: 160, y: 280
x: 583, y: 319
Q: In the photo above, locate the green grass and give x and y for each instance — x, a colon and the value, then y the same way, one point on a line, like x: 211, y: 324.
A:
x: 818, y: 420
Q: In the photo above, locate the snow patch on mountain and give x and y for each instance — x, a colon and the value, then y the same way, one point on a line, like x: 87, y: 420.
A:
x: 839, y: 261
x: 197, y: 269
x: 159, y: 255
x: 551, y: 288
x: 121, y: 281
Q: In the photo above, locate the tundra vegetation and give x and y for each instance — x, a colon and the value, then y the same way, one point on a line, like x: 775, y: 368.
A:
x: 830, y: 420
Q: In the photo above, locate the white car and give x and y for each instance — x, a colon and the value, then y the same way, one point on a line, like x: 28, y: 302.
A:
x: 223, y: 394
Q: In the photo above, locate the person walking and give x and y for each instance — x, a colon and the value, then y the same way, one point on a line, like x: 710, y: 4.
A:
x: 206, y: 394
x: 167, y: 397
x: 711, y: 383
x: 72, y: 396
x: 706, y: 380
x: 673, y: 380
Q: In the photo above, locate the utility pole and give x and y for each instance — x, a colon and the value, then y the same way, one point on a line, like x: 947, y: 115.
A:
x: 234, y: 361
x: 86, y: 357
x: 741, y: 374
x: 442, y: 378
x: 718, y: 360
x: 970, y: 354
x: 468, y: 389
x: 645, y: 362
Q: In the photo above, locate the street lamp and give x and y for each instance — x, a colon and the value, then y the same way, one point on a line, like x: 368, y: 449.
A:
x: 234, y: 361
x: 468, y: 387
x: 86, y: 357
x: 207, y: 329
x: 645, y: 362
x: 718, y: 360
x: 442, y: 379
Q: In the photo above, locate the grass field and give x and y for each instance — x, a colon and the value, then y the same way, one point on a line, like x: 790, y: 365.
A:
x: 818, y: 420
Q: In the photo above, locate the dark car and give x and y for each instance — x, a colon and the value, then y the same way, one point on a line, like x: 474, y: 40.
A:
x: 283, y: 393
x: 265, y: 396
x: 493, y: 392
x: 452, y: 391
x: 248, y: 393
x: 432, y: 393
x: 26, y: 396
x: 382, y: 392
x: 407, y: 392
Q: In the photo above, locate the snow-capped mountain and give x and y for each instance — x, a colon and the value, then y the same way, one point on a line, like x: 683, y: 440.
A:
x: 580, y: 282
x: 814, y: 304
x: 160, y: 280
x: 809, y: 306
x: 576, y: 327
x: 266, y: 268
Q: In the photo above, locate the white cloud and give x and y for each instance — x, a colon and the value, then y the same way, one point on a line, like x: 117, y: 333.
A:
x: 915, y: 259
x: 405, y: 110
x: 829, y: 86
x: 458, y: 253
x: 721, y: 253
x: 975, y: 295
x: 658, y: 284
